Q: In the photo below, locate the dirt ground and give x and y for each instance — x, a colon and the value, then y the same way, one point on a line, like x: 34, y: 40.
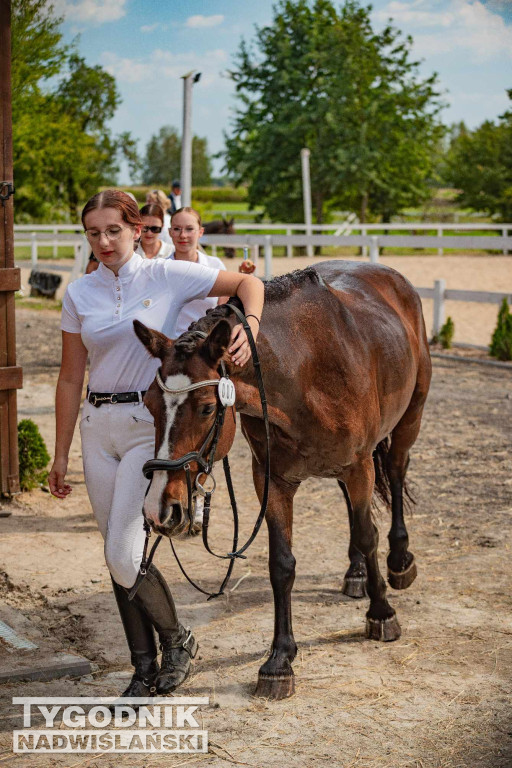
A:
x: 437, y: 698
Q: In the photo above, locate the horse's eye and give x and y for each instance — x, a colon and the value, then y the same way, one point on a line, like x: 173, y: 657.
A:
x: 207, y: 410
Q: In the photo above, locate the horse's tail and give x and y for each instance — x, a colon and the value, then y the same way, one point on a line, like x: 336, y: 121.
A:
x: 382, y: 485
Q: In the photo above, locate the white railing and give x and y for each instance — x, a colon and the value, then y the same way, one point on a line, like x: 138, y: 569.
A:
x: 440, y: 295
x: 372, y: 242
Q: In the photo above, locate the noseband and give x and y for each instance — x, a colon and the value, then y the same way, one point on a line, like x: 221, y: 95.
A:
x: 205, y: 458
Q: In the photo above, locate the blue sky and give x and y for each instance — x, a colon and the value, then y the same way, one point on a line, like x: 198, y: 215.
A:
x: 149, y: 44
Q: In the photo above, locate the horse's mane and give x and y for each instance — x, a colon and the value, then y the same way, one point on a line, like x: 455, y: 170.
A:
x: 277, y: 289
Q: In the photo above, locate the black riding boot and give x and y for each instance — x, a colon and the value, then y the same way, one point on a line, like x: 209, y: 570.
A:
x: 141, y: 642
x: 177, y: 643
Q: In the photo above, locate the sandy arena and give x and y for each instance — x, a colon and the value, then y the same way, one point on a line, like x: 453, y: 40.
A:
x: 437, y: 698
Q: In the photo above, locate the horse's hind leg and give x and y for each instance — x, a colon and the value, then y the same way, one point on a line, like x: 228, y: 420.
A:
x: 275, y: 678
x: 381, y: 621
x: 401, y: 564
x: 354, y: 581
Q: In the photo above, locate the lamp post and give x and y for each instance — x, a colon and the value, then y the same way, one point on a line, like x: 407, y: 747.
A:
x: 186, y: 138
x: 306, y: 195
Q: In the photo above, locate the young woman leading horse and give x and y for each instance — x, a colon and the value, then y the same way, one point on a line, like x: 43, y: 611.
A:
x: 117, y: 430
x: 346, y: 364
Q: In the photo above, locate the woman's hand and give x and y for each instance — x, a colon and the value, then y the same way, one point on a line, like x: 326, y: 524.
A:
x: 58, y: 487
x: 240, y: 349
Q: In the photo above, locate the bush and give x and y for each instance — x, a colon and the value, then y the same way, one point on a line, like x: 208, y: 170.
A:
x: 446, y: 334
x: 501, y: 342
x: 32, y: 454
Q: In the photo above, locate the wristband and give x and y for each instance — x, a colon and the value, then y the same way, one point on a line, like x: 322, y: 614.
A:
x: 258, y: 321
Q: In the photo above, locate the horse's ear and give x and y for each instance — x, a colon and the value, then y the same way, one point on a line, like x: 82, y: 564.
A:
x: 155, y: 342
x: 231, y: 221
x: 217, y: 342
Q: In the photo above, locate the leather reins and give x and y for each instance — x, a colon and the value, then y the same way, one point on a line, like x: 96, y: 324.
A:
x: 225, y: 399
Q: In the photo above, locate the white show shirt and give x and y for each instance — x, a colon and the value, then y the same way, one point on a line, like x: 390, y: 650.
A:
x: 102, y: 307
x: 165, y: 250
x: 193, y: 310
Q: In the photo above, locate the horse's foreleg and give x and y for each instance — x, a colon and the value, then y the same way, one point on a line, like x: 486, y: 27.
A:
x: 401, y: 565
x: 381, y: 621
x: 275, y: 678
x: 354, y: 581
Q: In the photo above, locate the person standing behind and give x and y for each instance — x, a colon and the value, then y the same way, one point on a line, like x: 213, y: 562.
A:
x: 152, y: 245
x: 185, y: 231
x: 175, y: 197
x: 158, y: 197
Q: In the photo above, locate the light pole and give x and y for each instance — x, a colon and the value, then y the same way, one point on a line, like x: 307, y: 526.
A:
x: 186, y: 137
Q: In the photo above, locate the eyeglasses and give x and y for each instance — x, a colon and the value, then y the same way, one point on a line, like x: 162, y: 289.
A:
x: 154, y: 230
x: 187, y: 230
x: 111, y: 233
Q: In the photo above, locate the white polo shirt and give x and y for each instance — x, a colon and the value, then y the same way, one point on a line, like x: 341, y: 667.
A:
x: 193, y: 310
x: 102, y: 307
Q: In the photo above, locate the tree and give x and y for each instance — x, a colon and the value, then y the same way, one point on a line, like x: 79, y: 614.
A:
x: 479, y: 163
x: 325, y: 80
x: 163, y: 159
x: 62, y: 146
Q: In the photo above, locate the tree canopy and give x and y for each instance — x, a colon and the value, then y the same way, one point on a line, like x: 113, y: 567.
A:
x: 163, y: 159
x: 324, y: 79
x: 479, y: 163
x: 63, y: 149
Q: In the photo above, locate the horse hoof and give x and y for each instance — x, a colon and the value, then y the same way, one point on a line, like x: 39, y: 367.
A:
x: 354, y: 586
x: 384, y: 630
x: 403, y: 579
x: 275, y: 686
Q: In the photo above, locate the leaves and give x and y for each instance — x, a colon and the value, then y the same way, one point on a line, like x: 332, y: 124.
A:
x: 63, y: 149
x: 323, y: 79
x: 163, y: 159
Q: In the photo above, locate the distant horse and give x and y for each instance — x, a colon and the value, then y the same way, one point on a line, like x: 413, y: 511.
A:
x: 221, y: 227
x: 346, y: 366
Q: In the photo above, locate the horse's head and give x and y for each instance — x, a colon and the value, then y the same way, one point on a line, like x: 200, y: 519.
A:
x: 229, y: 229
x: 187, y: 419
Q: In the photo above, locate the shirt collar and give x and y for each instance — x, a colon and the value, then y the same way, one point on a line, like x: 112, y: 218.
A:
x: 125, y: 272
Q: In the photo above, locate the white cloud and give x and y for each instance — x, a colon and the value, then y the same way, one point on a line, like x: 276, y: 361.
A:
x: 204, y: 21
x: 91, y: 11
x: 168, y: 66
x: 456, y: 25
x: 151, y: 27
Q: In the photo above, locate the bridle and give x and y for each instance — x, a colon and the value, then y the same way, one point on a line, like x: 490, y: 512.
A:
x: 205, y: 458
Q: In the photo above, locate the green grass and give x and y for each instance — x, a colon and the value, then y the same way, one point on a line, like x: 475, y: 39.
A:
x: 37, y: 303
x: 23, y: 253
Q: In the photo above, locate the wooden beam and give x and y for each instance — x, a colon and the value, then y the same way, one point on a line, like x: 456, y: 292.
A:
x: 11, y: 377
x: 10, y: 279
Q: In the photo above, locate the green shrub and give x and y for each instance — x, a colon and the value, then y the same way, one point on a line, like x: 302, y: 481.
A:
x: 501, y: 342
x: 446, y: 334
x: 33, y: 455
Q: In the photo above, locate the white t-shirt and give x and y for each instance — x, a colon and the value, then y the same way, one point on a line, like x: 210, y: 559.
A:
x: 165, y: 250
x: 193, y: 310
x: 102, y: 307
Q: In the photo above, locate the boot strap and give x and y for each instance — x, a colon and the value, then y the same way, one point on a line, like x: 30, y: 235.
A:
x: 189, y: 644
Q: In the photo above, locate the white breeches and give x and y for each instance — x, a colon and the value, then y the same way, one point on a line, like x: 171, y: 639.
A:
x: 116, y: 441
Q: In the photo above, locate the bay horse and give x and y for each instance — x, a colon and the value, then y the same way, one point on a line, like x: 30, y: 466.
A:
x: 221, y: 227
x: 346, y: 366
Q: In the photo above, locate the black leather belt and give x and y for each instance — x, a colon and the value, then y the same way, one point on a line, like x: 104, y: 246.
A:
x: 98, y: 398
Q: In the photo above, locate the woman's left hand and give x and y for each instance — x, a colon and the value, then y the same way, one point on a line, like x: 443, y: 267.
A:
x: 240, y: 350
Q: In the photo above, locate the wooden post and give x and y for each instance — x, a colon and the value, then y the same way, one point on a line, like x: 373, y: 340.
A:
x: 439, y: 234
x: 10, y: 374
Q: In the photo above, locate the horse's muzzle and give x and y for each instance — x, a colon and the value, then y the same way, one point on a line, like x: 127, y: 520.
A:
x: 173, y: 520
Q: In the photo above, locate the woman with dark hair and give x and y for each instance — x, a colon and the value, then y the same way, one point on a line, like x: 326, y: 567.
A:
x: 116, y: 428
x: 151, y: 245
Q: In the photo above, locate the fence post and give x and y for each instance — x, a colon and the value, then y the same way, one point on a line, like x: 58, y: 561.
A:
x: 289, y: 246
x: 504, y: 232
x: 439, y: 289
x: 268, y: 257
x: 33, y: 249
x: 214, y: 250
x: 255, y: 256
x: 364, y: 250
x: 55, y: 244
x: 439, y: 234
x: 374, y: 249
